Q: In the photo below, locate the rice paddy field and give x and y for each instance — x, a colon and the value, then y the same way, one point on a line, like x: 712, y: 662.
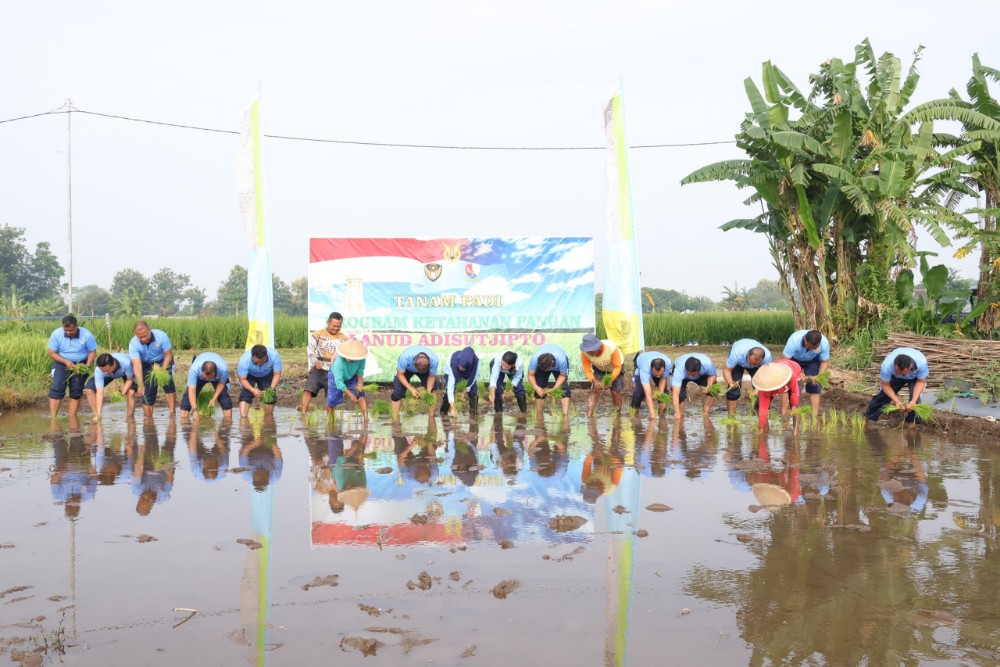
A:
x: 25, y: 365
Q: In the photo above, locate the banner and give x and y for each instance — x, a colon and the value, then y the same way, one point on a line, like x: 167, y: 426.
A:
x: 448, y: 293
x: 622, y: 309
x: 250, y: 194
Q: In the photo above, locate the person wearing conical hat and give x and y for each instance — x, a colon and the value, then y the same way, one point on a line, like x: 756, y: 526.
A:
x: 779, y: 378
x: 347, y: 376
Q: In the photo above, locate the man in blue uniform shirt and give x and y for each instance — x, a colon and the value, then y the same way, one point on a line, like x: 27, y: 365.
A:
x: 110, y: 367
x: 693, y: 367
x: 207, y: 368
x: 69, y: 345
x: 746, y: 355
x: 811, y: 350
x: 259, y: 368
x: 417, y: 361
x: 904, y: 366
x: 149, y: 347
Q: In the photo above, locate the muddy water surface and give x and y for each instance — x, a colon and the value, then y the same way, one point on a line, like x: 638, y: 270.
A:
x: 614, y: 542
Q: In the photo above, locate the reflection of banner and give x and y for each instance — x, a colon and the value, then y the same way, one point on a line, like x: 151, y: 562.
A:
x: 449, y: 293
x: 622, y: 310
x: 250, y: 194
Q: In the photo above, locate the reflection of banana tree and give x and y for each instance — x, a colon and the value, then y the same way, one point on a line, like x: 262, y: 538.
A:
x: 822, y: 589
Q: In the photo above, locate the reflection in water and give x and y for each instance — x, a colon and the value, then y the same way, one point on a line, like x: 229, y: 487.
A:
x: 885, y: 553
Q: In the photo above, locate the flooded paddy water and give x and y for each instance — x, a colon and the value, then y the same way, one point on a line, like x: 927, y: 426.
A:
x: 610, y: 542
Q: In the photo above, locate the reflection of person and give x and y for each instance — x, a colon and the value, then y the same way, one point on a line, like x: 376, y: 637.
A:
x: 69, y: 345
x: 903, y: 476
x: 507, y: 367
x: 746, y: 356
x: 110, y: 367
x: 207, y: 368
x: 73, y: 477
x: 347, y: 377
x: 549, y: 362
x: 147, y: 348
x: 692, y: 367
x: 262, y: 460
x: 811, y: 350
x: 417, y: 361
x: 904, y: 366
x: 547, y: 453
x: 416, y: 457
x: 781, y: 379
x: 602, y: 469
x: 463, y: 365
x: 322, y: 349
x: 207, y: 464
x: 153, y: 472
x: 462, y: 458
x: 348, y: 469
x: 600, y: 358
x: 652, y: 369
x: 504, y: 455
x: 259, y: 368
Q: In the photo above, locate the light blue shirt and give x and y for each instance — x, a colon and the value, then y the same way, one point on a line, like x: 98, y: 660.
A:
x: 246, y: 366
x: 194, y: 374
x: 642, y: 365
x: 796, y: 349
x: 920, y: 371
x: 516, y: 376
x: 562, y: 361
x: 679, y: 374
x: 738, y: 354
x: 73, y: 349
x: 406, y: 359
x: 152, y: 353
x: 124, y: 370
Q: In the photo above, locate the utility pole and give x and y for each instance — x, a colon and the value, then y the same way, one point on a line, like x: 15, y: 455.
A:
x: 69, y: 193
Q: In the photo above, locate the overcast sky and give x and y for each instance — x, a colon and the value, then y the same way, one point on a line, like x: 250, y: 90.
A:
x: 466, y: 73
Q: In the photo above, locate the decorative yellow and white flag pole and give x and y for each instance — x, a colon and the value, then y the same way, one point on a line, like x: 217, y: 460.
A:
x: 622, y: 309
x: 250, y: 194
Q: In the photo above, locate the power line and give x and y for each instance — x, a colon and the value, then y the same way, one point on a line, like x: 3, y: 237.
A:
x: 377, y: 144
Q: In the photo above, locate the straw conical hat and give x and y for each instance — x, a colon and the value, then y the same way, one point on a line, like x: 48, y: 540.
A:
x: 353, y: 350
x: 771, y: 494
x: 354, y: 498
x: 770, y: 377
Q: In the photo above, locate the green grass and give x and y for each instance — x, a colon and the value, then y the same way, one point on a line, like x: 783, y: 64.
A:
x: 714, y: 328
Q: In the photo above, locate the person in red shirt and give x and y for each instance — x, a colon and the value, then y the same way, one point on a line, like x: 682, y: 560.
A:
x: 779, y: 378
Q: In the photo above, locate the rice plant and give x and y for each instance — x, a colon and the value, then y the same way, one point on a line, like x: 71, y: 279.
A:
x: 269, y: 396
x: 823, y: 379
x: 713, y: 328
x: 372, y: 388
x: 632, y: 412
x: 79, y: 370
x: 428, y: 399
x: 381, y: 407
x: 114, y: 397
x: 158, y: 377
x: 606, y: 380
x: 923, y: 411
x: 529, y: 390
x: 801, y: 411
x: 557, y: 393
x: 858, y: 423
x: 662, y: 397
x: 205, y: 407
x: 718, y: 389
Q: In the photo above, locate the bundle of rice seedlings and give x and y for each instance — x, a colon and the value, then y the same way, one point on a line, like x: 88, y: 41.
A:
x: 606, y: 380
x: 204, y: 400
x: 372, y: 388
x: 558, y: 393
x: 269, y: 396
x: 801, y: 411
x: 632, y: 412
x: 428, y: 399
x: 823, y: 379
x: 461, y: 386
x: 718, y: 389
x: 923, y: 410
x: 529, y: 390
x: 381, y: 407
x: 662, y: 397
x: 508, y: 389
x: 158, y: 377
x: 80, y: 370
x: 114, y: 397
